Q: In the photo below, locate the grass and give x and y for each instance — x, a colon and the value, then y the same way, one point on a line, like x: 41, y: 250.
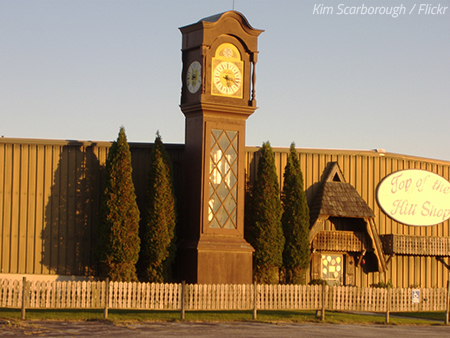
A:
x: 436, y: 316
x: 411, y: 318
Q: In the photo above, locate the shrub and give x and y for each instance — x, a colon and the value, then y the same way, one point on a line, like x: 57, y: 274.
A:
x: 382, y: 284
x: 264, y: 231
x: 158, y: 233
x: 118, y: 236
x: 318, y: 282
x: 295, y: 221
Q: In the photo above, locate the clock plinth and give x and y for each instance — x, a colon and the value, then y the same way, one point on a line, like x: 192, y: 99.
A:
x: 218, y: 95
x: 217, y: 261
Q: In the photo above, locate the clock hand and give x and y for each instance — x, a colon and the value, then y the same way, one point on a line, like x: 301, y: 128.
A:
x: 229, y: 79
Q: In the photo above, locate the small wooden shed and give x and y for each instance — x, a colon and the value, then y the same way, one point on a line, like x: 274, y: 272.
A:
x: 343, y: 234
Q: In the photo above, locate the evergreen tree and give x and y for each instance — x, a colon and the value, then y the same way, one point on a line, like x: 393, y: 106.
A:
x: 295, y: 221
x: 118, y: 238
x: 158, y: 233
x: 265, y: 231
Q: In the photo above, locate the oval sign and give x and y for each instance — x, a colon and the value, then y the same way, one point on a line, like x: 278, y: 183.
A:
x: 415, y: 197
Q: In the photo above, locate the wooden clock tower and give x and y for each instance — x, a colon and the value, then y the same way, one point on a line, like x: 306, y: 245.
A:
x: 218, y: 95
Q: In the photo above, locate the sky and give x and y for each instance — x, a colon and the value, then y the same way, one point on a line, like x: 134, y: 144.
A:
x: 327, y: 76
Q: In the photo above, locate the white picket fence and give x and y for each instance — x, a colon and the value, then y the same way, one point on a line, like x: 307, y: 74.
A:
x: 184, y: 297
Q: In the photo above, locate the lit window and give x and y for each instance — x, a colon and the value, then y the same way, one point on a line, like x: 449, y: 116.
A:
x: 332, y: 268
x: 223, y: 179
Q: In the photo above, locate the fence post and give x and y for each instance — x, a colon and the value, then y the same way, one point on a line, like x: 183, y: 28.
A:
x: 447, y: 303
x: 105, y: 310
x: 388, y: 305
x: 183, y: 285
x: 255, y: 300
x: 24, y: 296
x: 322, y: 315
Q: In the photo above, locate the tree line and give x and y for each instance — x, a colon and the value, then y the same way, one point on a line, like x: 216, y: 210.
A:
x: 276, y: 221
x: 125, y: 252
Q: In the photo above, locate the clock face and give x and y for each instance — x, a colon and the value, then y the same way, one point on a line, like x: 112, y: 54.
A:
x: 194, y: 76
x: 227, y: 78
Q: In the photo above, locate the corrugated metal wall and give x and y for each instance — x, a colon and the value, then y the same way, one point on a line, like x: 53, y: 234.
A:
x: 49, y: 197
x: 48, y: 193
x: 49, y: 200
x: 364, y: 170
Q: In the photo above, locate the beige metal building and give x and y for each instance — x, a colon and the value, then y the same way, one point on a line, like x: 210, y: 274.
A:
x: 49, y: 198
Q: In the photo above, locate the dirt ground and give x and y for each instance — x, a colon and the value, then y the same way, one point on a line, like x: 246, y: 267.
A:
x: 216, y: 330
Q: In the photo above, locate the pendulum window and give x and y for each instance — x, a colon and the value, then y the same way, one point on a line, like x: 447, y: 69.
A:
x: 223, y: 179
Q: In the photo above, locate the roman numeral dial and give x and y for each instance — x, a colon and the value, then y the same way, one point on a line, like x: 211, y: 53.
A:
x: 227, y: 72
x: 227, y: 78
x: 194, y: 77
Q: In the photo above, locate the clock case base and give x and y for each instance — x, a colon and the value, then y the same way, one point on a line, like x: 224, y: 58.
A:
x: 215, y: 261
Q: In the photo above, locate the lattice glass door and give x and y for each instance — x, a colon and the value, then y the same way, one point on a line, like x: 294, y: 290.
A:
x: 223, y: 179
x: 332, y: 268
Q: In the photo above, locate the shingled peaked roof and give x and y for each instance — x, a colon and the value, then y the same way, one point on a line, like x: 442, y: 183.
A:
x: 337, y: 198
x: 341, y: 199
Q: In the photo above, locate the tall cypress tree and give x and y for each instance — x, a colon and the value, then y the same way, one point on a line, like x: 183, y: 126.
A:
x: 295, y: 221
x: 118, y: 237
x: 265, y: 231
x: 158, y: 233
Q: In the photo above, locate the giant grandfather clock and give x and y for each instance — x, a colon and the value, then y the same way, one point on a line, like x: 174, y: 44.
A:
x: 219, y: 56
